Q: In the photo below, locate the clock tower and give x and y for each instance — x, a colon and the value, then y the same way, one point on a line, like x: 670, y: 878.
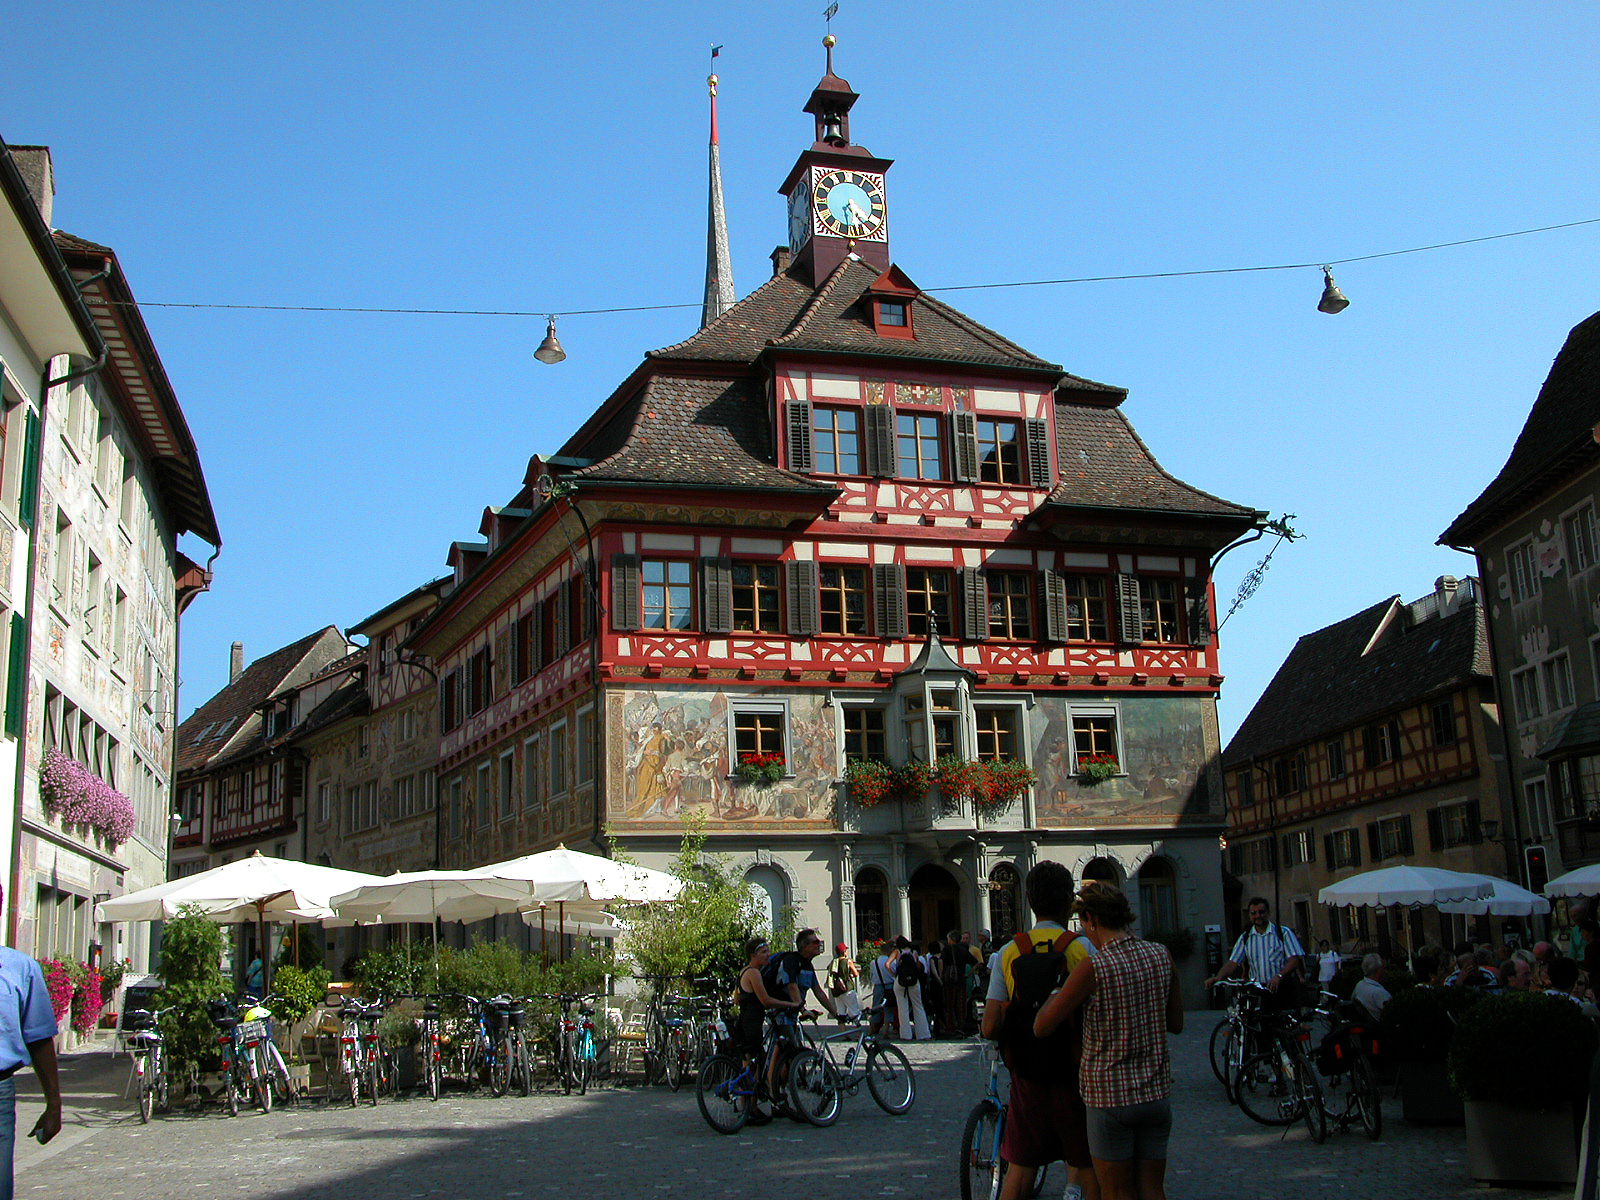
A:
x: 835, y: 190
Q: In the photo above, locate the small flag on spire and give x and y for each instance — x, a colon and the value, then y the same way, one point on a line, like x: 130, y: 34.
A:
x: 716, y: 50
x: 831, y: 12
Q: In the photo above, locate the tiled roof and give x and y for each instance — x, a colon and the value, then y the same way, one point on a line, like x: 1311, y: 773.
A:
x: 1332, y: 680
x: 698, y: 431
x: 227, y: 725
x: 349, y: 699
x: 786, y: 313
x: 1103, y: 463
x: 1558, y: 434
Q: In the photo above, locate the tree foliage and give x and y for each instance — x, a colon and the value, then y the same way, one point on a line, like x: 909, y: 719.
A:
x: 191, y: 954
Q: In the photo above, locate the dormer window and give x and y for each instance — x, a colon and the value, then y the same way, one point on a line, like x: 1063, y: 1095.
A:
x: 893, y: 312
x: 891, y: 297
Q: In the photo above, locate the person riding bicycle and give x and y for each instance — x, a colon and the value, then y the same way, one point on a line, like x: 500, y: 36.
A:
x: 788, y: 976
x: 1271, y: 953
x: 749, y: 1025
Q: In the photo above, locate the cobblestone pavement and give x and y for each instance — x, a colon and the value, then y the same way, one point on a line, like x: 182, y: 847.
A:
x: 636, y: 1142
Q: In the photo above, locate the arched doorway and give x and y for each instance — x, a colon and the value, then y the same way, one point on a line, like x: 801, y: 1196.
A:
x: 771, y: 893
x: 872, y: 891
x: 1101, y: 868
x: 935, y: 904
x: 1005, y: 903
x: 1158, y: 897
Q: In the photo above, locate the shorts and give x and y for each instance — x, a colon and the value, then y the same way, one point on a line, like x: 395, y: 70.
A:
x: 1130, y: 1131
x: 1045, y: 1124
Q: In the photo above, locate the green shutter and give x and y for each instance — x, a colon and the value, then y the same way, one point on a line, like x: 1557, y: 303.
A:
x: 30, y: 471
x: 17, y: 677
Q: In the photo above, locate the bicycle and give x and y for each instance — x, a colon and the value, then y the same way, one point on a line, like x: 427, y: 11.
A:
x: 236, y: 1083
x: 728, y: 1086
x: 1278, y: 1085
x: 1345, y: 1041
x: 1238, y: 1034
x: 360, y: 1054
x: 148, y: 1050
x: 982, y: 1168
x: 575, y: 1045
x: 477, y: 1054
x: 882, y: 1066
x: 510, y: 1063
x: 668, y: 1051
x: 269, y: 1068
x: 430, y: 1060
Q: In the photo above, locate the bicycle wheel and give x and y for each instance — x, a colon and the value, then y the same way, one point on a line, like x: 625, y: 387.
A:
x: 521, y: 1064
x: 369, y: 1080
x: 673, y: 1059
x: 1364, y: 1094
x: 719, y: 1093
x: 1265, y: 1088
x: 433, y: 1065
x: 230, y: 1084
x: 655, y: 1052
x: 500, y: 1067
x: 980, y: 1150
x: 261, y: 1086
x: 583, y: 1060
x: 158, y: 1078
x: 352, y: 1074
x: 814, y: 1088
x: 1224, y: 1054
x: 890, y: 1080
x: 566, y: 1059
x: 1311, y: 1106
x: 147, y: 1087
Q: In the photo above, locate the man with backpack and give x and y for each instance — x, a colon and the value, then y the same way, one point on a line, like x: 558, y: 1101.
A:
x: 1271, y: 953
x: 909, y: 974
x: 1046, y: 1120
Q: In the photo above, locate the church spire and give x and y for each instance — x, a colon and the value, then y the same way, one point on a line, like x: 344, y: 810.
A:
x: 719, y: 264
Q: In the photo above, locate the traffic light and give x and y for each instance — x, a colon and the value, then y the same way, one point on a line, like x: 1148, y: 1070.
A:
x: 1538, y: 871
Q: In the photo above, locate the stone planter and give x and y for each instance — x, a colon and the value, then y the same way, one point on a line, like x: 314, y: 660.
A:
x: 1519, y: 1145
x: 1426, y: 1097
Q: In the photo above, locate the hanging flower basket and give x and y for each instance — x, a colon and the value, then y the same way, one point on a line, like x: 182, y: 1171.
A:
x: 870, y: 782
x: 761, y: 768
x: 912, y: 781
x: 1095, y: 769
x: 76, y: 796
x: 58, y: 981
x: 1004, y: 780
x: 959, y: 778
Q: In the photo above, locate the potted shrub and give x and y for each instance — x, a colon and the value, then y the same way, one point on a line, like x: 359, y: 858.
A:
x: 1520, y: 1061
x: 1418, y: 1024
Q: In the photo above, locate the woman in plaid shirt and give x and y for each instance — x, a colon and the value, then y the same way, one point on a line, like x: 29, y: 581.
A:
x: 1131, y: 989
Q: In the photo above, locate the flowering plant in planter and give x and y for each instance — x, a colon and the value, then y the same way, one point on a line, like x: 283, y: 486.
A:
x: 1004, y: 779
x: 870, y: 782
x: 959, y: 778
x: 58, y: 981
x: 76, y: 796
x: 912, y: 780
x: 761, y: 768
x: 1097, y: 768
x: 87, y: 997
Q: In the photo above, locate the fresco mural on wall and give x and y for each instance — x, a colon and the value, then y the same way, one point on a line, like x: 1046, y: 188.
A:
x: 676, y: 759
x: 1164, y: 744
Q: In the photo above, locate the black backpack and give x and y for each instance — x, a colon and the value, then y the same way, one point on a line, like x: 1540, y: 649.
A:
x: 791, y: 964
x: 908, y: 971
x: 1039, y: 969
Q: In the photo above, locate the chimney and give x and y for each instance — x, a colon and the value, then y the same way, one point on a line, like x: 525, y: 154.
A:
x: 235, y: 661
x: 1444, y: 590
x: 780, y: 260
x: 34, y: 163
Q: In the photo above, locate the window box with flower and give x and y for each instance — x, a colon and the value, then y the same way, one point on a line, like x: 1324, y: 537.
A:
x: 870, y: 782
x: 76, y: 796
x: 761, y: 768
x: 1095, y: 769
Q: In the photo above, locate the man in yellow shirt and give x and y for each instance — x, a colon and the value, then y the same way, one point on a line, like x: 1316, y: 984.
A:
x: 1046, y: 1121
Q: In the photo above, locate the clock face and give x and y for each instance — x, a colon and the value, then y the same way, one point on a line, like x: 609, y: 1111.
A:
x: 800, y: 220
x: 848, y: 204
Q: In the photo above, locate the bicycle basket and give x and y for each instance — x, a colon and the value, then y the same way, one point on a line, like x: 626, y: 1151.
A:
x: 497, y: 1016
x: 253, y: 1031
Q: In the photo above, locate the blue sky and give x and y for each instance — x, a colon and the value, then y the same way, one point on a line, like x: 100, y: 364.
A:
x: 536, y: 158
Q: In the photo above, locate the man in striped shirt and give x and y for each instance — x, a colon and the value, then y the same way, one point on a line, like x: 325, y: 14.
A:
x: 1271, y: 952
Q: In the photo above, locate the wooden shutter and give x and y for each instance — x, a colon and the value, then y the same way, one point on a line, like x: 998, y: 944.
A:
x: 878, y: 439
x: 1311, y: 849
x: 974, y: 604
x: 1053, y: 589
x: 562, y: 639
x: 889, y: 599
x: 1130, y: 620
x: 799, y: 434
x: 716, y: 587
x: 1474, y: 824
x: 1199, y: 613
x: 1327, y: 849
x: 1036, y: 431
x: 624, y: 593
x: 1435, y: 829
x: 1406, y: 844
x: 804, y: 609
x: 1355, y: 852
x: 1374, y: 842
x: 502, y: 662
x: 964, y: 438
x: 1288, y: 850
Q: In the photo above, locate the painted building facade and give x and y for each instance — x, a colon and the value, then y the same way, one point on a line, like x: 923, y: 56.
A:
x: 1377, y: 744
x: 844, y: 520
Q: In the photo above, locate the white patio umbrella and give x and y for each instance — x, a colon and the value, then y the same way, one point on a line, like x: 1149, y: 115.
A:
x: 575, y: 877
x: 257, y: 888
x: 1585, y: 881
x: 1506, y: 900
x: 423, y: 896
x: 1408, y: 886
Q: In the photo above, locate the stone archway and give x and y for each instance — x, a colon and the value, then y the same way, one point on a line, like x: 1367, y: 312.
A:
x: 935, y: 899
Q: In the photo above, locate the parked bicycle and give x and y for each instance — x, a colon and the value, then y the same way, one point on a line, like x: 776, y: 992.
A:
x: 1239, y: 1034
x: 475, y: 1054
x: 668, y: 1050
x: 360, y: 1055
x: 882, y: 1066
x: 982, y: 1168
x: 148, y: 1049
x: 1344, y: 1042
x: 270, y: 1074
x: 239, y: 1068
x: 1278, y: 1085
x: 574, y: 1045
x: 509, y: 1065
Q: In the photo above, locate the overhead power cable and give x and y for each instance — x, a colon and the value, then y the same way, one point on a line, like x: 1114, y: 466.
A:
x: 963, y: 287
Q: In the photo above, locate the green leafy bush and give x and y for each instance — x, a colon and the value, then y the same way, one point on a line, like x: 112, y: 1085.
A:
x: 191, y: 949
x: 1419, y: 1022
x: 297, y: 991
x: 1523, y: 1049
x: 394, y: 971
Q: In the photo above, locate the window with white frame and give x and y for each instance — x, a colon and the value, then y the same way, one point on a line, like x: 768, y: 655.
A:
x: 863, y: 732
x: 1540, y: 825
x: 1094, y: 731
x: 1335, y: 755
x: 1523, y: 571
x: 1557, y: 671
x: 1578, y: 526
x: 508, y: 772
x: 1344, y: 849
x: 1442, y: 716
x: 758, y: 729
x: 997, y: 731
x: 1525, y: 691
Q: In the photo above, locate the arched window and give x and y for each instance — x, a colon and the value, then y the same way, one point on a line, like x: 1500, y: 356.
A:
x: 1101, y: 868
x: 1005, y: 903
x: 872, y: 890
x: 1158, y: 898
x: 771, y: 892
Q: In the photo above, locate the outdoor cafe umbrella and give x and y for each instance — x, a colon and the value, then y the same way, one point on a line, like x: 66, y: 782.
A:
x: 1506, y: 900
x: 1585, y: 881
x: 575, y: 877
x: 1407, y: 886
x: 257, y: 888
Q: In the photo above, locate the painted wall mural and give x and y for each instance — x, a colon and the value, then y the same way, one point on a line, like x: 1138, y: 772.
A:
x: 1166, y: 744
x: 671, y: 756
